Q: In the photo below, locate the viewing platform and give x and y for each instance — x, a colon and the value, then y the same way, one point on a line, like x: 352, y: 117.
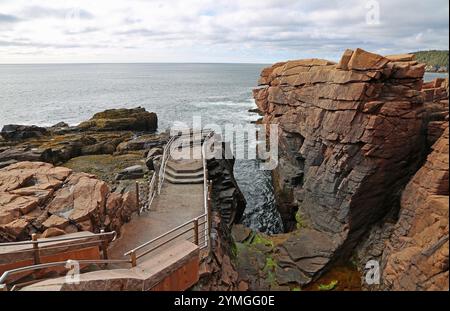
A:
x: 159, y: 249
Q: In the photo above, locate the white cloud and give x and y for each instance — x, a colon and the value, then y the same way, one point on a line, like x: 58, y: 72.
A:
x: 212, y: 30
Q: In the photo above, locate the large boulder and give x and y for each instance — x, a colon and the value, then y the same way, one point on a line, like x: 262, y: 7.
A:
x: 132, y: 172
x: 37, y: 196
x: 152, y: 156
x: 20, y: 132
x: 26, y: 154
x: 137, y: 119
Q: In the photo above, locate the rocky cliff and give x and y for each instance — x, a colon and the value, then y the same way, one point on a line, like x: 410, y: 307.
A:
x: 351, y: 136
x: 416, y: 253
x: 218, y: 270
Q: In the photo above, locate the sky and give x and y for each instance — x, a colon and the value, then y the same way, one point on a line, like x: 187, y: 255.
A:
x: 215, y: 31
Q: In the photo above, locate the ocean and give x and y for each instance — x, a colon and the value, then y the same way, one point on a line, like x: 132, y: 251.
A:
x: 219, y: 93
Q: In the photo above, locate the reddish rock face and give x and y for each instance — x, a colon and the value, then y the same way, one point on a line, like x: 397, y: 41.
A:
x: 436, y: 105
x: 416, y: 254
x: 37, y: 197
x: 350, y: 137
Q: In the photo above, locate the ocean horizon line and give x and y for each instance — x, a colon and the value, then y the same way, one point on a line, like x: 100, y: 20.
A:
x: 137, y: 63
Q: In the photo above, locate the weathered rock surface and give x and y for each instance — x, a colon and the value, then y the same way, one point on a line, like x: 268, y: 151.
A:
x: 100, y: 152
x: 36, y: 196
x: 132, y: 172
x: 416, y: 254
x: 218, y: 270
x: 153, y: 157
x: 143, y: 142
x: 436, y: 105
x: 384, y: 238
x: 18, y: 132
x: 108, y: 132
x: 136, y: 119
x: 227, y: 197
x: 351, y: 136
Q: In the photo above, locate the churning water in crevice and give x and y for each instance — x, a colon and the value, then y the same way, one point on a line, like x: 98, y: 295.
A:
x: 219, y: 93
x: 261, y: 213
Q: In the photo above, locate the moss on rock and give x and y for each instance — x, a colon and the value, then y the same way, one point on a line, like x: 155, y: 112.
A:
x: 105, y: 167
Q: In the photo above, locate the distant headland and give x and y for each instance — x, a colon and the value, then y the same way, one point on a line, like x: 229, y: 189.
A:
x: 436, y: 60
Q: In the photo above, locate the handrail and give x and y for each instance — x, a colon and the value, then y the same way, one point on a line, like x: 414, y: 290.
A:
x: 6, y: 274
x: 165, y: 157
x: 152, y: 194
x: 206, y: 186
x: 50, y: 240
x: 168, y: 150
x: 195, y: 222
x: 162, y: 236
x: 101, y: 241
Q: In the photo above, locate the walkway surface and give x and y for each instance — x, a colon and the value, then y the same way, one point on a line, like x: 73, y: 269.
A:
x: 177, y: 204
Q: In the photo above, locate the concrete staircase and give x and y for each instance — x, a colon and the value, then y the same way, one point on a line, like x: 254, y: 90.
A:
x: 184, y: 172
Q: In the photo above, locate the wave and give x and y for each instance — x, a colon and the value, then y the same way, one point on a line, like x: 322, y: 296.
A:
x: 222, y: 104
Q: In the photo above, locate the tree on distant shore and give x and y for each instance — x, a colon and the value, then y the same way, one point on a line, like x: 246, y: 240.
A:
x: 433, y: 58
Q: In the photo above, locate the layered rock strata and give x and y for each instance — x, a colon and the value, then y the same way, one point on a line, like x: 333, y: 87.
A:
x: 351, y: 135
x: 416, y: 254
x: 436, y: 104
x: 218, y: 270
x: 383, y: 237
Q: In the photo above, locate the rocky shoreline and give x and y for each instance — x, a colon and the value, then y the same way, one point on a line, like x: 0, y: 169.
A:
x: 64, y: 179
x: 95, y: 176
x: 352, y: 136
x: 362, y: 176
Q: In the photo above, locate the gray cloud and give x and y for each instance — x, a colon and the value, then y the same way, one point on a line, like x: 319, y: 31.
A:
x: 269, y: 30
x: 37, y: 12
x: 6, y: 18
x: 50, y: 45
x: 82, y: 31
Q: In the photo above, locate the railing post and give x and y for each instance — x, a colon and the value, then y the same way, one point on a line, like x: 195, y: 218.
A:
x: 104, y: 245
x: 196, y: 231
x: 137, y: 197
x: 209, y: 212
x: 133, y: 259
x: 37, y: 259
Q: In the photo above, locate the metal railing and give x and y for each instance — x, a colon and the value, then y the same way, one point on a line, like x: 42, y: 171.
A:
x: 151, y: 193
x: 101, y: 239
x: 198, y: 226
x: 207, y: 186
x: 157, y: 179
x: 168, y: 150
x: 67, y: 263
x: 165, y: 158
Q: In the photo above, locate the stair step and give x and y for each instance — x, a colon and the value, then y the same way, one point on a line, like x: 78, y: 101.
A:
x: 179, y: 169
x: 184, y: 181
x: 183, y: 175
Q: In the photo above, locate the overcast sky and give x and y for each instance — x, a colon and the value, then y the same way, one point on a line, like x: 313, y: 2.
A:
x: 255, y: 31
